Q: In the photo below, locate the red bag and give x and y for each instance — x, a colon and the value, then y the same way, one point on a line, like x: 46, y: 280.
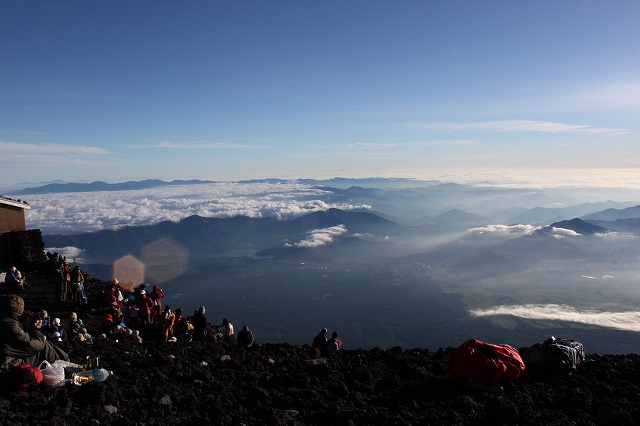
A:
x: 486, y: 363
x: 21, y: 377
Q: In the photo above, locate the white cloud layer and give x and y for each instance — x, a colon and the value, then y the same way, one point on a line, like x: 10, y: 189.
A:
x: 320, y: 237
x: 563, y: 232
x: 72, y: 254
x: 505, y: 229
x: 93, y: 211
x: 629, y: 320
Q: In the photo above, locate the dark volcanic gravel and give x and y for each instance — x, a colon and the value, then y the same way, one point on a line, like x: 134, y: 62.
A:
x: 278, y: 384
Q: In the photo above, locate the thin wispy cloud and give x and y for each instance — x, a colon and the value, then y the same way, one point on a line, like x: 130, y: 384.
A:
x: 203, y: 145
x: 375, y: 145
x: 523, y: 126
x: 554, y: 312
x: 377, y: 153
x: 320, y: 237
x: 12, y: 152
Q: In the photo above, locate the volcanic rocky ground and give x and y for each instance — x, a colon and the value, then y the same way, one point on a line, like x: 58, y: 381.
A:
x: 158, y: 383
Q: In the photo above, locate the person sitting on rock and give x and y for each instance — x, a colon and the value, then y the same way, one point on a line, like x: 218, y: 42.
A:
x: 228, y: 334
x: 334, y: 343
x: 44, y: 316
x: 14, y: 280
x: 55, y: 332
x: 74, y: 326
x: 320, y: 341
x: 20, y: 346
x: 245, y: 337
x: 106, y: 327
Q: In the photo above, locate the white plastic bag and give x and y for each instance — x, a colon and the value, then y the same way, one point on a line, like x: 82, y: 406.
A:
x: 52, y: 375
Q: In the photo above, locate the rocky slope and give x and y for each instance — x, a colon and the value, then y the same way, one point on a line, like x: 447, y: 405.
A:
x: 278, y: 384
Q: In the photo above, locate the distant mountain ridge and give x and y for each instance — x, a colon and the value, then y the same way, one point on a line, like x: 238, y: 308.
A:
x: 104, y: 186
x: 580, y: 226
x: 614, y: 214
x: 208, y: 237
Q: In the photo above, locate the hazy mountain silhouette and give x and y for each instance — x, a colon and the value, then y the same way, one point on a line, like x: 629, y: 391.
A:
x: 613, y: 214
x: 104, y: 186
x: 631, y: 225
x: 454, y: 219
x: 206, y: 237
x: 580, y: 226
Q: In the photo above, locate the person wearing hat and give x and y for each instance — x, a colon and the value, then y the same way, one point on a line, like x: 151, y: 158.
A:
x: 20, y: 346
x: 74, y: 326
x: 56, y: 332
x: 106, y: 327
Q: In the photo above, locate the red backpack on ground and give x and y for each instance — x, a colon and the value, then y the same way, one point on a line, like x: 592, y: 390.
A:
x: 486, y: 363
x: 20, y: 377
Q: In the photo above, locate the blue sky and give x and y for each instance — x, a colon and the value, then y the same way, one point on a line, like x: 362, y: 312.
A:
x: 123, y: 90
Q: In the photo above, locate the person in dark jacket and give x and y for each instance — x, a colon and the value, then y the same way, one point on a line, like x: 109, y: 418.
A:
x: 20, y: 346
x: 180, y: 325
x: 245, y: 337
x: 14, y: 280
x: 320, y: 341
x: 77, y: 287
x: 199, y: 321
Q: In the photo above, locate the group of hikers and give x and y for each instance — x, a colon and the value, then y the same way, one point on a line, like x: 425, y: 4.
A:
x: 140, y: 309
x: 69, y: 282
x: 133, y: 313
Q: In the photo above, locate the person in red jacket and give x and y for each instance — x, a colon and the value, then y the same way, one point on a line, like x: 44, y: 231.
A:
x: 145, y: 304
x: 156, y: 295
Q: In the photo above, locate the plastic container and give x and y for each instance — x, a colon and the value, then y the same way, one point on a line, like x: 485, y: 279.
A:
x: 97, y: 375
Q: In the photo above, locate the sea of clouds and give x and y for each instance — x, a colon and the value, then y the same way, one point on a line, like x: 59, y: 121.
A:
x: 78, y: 212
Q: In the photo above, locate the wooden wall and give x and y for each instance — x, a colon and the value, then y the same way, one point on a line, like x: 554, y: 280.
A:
x: 12, y: 219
